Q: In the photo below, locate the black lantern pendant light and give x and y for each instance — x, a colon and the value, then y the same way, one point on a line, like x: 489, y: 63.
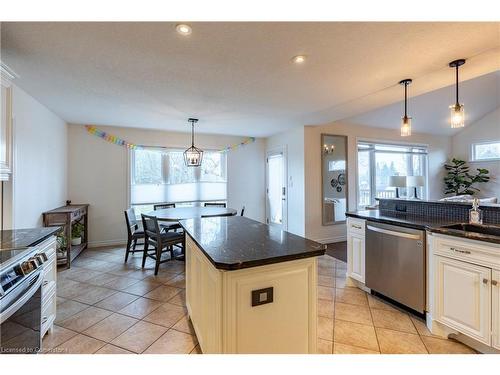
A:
x: 457, y: 112
x: 193, y: 155
x: 405, y: 120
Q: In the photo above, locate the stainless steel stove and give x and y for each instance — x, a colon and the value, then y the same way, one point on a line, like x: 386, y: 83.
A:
x: 20, y: 300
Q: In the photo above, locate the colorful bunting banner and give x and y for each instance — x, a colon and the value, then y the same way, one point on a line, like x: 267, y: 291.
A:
x: 121, y: 142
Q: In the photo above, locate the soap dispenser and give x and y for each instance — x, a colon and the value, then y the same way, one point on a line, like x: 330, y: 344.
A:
x: 475, y: 214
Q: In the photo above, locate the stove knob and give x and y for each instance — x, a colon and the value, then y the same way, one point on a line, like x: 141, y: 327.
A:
x: 28, y: 266
x: 39, y: 258
x: 44, y: 256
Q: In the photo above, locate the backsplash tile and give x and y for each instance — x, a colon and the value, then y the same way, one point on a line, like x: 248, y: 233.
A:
x: 439, y: 210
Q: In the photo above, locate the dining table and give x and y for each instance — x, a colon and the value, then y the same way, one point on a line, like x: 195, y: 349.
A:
x: 183, y: 213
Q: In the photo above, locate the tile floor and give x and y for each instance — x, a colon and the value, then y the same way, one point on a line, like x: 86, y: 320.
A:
x: 105, y: 306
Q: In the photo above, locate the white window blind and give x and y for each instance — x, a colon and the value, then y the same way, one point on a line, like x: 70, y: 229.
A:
x: 160, y: 175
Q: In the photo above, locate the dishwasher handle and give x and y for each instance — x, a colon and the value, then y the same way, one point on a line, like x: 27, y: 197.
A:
x: 394, y: 233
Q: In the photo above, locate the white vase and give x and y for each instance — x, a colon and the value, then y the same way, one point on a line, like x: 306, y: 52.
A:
x: 76, y: 241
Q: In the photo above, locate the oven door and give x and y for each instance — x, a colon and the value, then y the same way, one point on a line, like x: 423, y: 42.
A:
x: 20, y: 317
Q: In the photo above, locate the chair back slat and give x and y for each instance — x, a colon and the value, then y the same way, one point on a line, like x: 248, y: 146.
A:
x: 131, y: 221
x: 242, y: 210
x: 161, y: 206
x: 213, y: 204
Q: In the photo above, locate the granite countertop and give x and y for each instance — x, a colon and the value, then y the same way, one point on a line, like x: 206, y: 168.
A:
x: 22, y: 238
x: 236, y: 242
x: 433, y: 225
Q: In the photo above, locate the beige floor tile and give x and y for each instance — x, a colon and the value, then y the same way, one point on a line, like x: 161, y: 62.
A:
x: 340, y: 265
x: 340, y: 272
x: 117, y: 301
x: 355, y: 334
x: 339, y: 348
x: 111, y: 349
x: 102, y: 279
x: 396, y: 342
x: 166, y: 315
x: 163, y: 293
x: 196, y: 350
x: 325, y: 328
x: 377, y: 303
x: 69, y: 308
x: 351, y: 296
x: 326, y: 293
x: 178, y: 281
x: 80, y: 344
x: 421, y: 327
x: 140, y: 307
x: 326, y: 308
x: 110, y: 327
x: 139, y: 337
x: 394, y: 320
x: 344, y: 282
x: 353, y: 313
x: 443, y: 346
x: 324, y: 346
x: 93, y: 294
x: 326, y: 271
x: 179, y: 299
x: 85, y: 319
x: 70, y: 288
x: 328, y: 281
x: 173, y: 342
x: 142, y: 287
x: 58, y: 336
x: 184, y: 325
x: 121, y: 283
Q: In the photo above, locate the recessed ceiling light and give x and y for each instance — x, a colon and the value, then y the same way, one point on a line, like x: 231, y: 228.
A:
x: 299, y: 59
x: 183, y: 29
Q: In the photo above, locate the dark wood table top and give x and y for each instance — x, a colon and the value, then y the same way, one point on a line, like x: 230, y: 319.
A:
x: 183, y: 213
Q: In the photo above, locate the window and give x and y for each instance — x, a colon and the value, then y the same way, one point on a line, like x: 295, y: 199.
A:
x: 160, y: 175
x: 377, y: 162
x: 486, y: 151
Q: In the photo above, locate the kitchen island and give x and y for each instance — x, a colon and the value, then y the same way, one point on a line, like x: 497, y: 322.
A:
x: 250, y: 287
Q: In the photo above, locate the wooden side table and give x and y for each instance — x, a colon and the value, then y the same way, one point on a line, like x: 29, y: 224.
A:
x: 66, y: 216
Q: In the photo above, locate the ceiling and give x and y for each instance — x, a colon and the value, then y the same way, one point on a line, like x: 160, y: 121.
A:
x: 430, y: 112
x: 237, y: 77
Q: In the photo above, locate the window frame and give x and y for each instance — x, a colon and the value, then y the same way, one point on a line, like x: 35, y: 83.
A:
x: 473, y: 158
x: 131, y: 177
x: 377, y: 142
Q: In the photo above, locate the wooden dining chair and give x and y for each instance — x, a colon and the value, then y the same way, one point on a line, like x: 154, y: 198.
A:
x: 133, y: 232
x: 213, y: 204
x: 242, y: 210
x: 161, y: 206
x: 162, y: 242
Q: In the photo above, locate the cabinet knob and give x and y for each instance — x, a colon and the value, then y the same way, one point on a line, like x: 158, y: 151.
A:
x: 494, y: 282
x: 485, y: 281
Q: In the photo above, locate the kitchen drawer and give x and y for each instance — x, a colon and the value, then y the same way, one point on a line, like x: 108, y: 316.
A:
x: 356, y: 226
x: 476, y: 252
x: 48, y: 312
x: 49, y: 277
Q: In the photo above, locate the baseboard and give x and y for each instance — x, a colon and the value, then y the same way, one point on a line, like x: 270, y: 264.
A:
x: 331, y: 239
x: 107, y: 243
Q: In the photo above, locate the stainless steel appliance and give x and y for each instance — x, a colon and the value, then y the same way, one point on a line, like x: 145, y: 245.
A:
x: 21, y: 301
x: 395, y: 263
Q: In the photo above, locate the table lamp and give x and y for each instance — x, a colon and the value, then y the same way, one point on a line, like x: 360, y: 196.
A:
x: 415, y: 181
x: 397, y: 182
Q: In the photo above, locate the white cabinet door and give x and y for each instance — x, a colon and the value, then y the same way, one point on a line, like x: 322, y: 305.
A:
x: 356, y: 256
x: 463, y: 297
x: 495, y: 311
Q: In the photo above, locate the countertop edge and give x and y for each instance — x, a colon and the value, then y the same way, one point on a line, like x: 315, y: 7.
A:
x: 432, y: 229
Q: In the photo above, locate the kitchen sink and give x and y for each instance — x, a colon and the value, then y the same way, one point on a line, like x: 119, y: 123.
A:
x: 490, y: 230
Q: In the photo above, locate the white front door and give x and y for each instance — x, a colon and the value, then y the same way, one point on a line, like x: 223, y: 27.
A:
x: 276, y: 207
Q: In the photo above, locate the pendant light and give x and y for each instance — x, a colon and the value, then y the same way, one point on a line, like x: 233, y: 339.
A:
x: 457, y: 112
x: 193, y: 155
x: 405, y: 120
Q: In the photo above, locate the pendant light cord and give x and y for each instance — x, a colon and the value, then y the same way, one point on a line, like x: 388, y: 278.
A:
x: 192, y: 133
x: 457, y: 83
x: 406, y: 98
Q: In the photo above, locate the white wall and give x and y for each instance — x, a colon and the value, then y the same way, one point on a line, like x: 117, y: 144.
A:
x: 98, y: 175
x: 483, y: 130
x: 439, y: 149
x: 293, y: 142
x: 40, y: 160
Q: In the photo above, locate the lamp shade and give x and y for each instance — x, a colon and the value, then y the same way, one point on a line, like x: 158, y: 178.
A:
x: 415, y: 181
x: 397, y: 181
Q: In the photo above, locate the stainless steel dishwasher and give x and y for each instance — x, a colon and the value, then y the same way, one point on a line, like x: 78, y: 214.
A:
x: 395, y: 263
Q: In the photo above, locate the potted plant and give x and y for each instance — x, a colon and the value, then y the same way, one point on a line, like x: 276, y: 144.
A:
x: 61, y: 245
x: 76, y: 234
x: 459, y: 180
